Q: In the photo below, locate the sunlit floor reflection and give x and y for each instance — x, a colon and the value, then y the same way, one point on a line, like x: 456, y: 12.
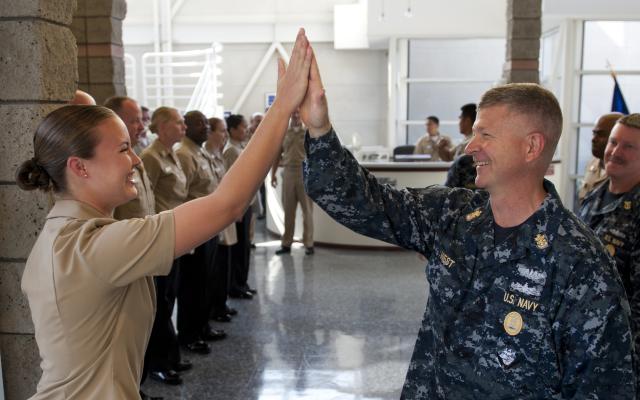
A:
x: 336, y: 325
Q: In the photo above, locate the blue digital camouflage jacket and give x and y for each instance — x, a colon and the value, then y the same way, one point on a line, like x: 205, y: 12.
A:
x: 540, y: 316
x: 618, y: 227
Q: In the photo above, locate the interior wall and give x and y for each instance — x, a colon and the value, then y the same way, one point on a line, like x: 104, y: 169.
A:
x: 355, y: 80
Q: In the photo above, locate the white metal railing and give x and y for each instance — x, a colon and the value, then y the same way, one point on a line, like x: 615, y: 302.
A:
x: 186, y: 80
x: 131, y: 75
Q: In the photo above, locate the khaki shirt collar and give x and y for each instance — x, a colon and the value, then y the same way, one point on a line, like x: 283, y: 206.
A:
x: 68, y: 208
x: 166, y: 153
x: 190, y: 145
x: 234, y: 143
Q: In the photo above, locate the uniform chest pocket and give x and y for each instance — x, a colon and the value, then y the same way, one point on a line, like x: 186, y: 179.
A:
x: 448, y: 275
x: 514, y: 338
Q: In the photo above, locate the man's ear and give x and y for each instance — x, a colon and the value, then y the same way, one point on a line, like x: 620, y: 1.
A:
x: 77, y: 167
x: 535, y: 142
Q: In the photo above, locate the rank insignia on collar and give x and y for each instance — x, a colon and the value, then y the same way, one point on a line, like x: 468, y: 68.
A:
x: 627, y: 205
x: 541, y: 241
x: 611, y: 249
x: 473, y: 215
x: 513, y: 323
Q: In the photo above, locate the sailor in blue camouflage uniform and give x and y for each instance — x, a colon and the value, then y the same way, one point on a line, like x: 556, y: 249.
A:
x: 534, y: 311
x: 612, y: 210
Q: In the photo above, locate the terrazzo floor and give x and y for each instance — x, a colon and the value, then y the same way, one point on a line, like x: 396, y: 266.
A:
x: 340, y: 324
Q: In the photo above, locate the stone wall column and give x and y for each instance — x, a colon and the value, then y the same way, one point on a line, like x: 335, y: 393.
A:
x: 97, y: 26
x: 524, y: 25
x: 39, y: 73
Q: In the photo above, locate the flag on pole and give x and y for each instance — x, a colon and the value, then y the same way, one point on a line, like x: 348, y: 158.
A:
x: 618, y: 104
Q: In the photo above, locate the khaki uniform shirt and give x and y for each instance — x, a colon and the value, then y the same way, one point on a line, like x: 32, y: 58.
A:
x: 293, y: 153
x: 427, y: 145
x: 165, y: 173
x: 228, y: 236
x: 144, y: 204
x: 91, y: 299
x: 198, y: 169
x: 459, y: 149
x: 593, y: 175
x: 231, y: 152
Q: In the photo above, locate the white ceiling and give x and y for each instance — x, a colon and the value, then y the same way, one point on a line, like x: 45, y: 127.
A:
x: 256, y: 21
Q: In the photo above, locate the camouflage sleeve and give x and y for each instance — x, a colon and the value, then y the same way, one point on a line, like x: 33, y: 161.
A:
x: 634, y: 303
x: 593, y: 339
x: 353, y: 197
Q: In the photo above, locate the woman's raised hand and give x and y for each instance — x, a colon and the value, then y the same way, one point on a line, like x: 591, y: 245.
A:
x: 294, y: 78
x: 314, y: 110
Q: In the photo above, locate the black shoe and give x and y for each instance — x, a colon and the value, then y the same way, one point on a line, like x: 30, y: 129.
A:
x: 198, y: 347
x: 239, y: 294
x: 309, y: 251
x: 221, y: 318
x: 249, y: 290
x: 183, y: 365
x: 283, y: 250
x: 253, y: 245
x: 169, y: 377
x: 211, y: 335
x: 230, y: 311
x: 145, y: 396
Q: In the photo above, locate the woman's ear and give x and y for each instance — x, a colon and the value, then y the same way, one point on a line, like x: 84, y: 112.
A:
x: 77, y: 167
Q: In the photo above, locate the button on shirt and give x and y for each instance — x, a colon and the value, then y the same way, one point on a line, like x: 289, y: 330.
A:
x: 540, y: 316
x: 165, y: 174
x: 89, y: 284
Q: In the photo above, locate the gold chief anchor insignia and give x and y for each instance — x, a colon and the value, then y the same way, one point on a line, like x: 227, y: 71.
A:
x: 513, y: 323
x: 541, y: 241
x: 611, y: 249
x: 473, y: 215
x: 627, y: 205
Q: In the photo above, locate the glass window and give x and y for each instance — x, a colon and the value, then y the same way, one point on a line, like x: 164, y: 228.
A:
x: 451, y: 73
x: 605, y: 44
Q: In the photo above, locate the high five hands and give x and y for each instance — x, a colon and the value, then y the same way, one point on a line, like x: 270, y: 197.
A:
x: 300, y: 82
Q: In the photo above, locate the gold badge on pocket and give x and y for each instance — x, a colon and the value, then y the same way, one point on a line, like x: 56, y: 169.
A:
x: 513, y: 323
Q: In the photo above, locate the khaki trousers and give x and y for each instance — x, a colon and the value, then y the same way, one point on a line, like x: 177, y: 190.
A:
x: 292, y: 194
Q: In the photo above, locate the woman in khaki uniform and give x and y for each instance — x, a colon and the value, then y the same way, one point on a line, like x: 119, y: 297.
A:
x: 169, y: 185
x: 218, y: 309
x: 88, y: 277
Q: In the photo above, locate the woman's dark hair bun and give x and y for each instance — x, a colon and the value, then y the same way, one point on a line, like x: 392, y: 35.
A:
x: 30, y: 176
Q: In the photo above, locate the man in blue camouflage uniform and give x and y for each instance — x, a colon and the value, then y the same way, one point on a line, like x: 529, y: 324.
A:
x: 612, y: 210
x: 524, y: 303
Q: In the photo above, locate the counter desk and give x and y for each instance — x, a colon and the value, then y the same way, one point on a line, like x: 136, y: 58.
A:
x: 329, y: 233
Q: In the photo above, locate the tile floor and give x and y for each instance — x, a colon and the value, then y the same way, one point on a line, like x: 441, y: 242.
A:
x: 340, y: 324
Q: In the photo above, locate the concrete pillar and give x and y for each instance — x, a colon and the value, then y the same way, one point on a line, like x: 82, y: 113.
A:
x: 97, y: 26
x: 524, y: 25
x: 39, y: 73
